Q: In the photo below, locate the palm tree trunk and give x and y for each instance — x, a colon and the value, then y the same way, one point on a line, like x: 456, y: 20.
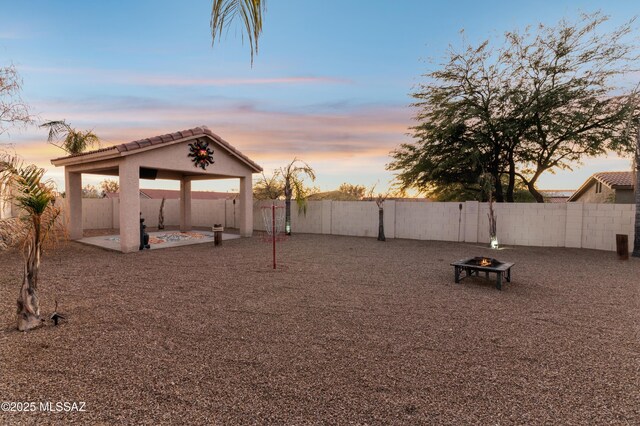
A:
x: 28, y: 312
x: 636, y: 172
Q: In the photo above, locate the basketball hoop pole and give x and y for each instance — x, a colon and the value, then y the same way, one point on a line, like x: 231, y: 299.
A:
x: 273, y: 232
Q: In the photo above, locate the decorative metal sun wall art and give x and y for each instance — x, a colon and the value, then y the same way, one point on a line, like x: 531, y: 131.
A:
x: 201, y: 154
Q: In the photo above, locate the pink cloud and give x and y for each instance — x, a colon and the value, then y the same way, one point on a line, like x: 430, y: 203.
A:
x: 145, y: 79
x: 341, y: 144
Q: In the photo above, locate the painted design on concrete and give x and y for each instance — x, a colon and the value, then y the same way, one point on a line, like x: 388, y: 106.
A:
x: 201, y: 154
x: 170, y: 237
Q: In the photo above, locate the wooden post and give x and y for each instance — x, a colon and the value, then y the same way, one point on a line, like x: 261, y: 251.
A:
x: 622, y: 246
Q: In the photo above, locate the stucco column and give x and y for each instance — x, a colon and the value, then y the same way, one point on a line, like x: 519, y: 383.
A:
x: 185, y: 204
x: 246, y: 206
x: 129, y: 206
x: 73, y: 194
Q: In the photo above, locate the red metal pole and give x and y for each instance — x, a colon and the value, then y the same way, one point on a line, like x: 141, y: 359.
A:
x: 273, y: 232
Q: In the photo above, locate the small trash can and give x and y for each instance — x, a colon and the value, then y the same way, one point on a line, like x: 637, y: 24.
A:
x: 217, y: 234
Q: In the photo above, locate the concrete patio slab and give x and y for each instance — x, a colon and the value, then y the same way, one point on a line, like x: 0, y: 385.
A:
x: 159, y: 239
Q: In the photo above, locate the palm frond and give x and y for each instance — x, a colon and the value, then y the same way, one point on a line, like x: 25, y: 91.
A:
x: 32, y: 194
x: 292, y: 169
x: 52, y: 229
x: 57, y: 128
x: 13, y: 233
x: 223, y: 13
x: 307, y: 170
x: 78, y: 141
x: 74, y: 142
x: 300, y: 194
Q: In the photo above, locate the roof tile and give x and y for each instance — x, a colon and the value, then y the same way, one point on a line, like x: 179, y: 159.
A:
x: 170, y: 137
x: 615, y: 179
x: 85, y: 153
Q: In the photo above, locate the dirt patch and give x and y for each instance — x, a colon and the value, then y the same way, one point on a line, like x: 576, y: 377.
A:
x: 346, y: 330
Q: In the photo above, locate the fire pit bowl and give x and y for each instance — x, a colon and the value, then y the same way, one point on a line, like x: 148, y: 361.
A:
x: 473, y: 265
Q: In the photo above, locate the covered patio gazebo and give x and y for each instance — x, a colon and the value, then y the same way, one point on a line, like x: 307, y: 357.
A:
x: 188, y: 155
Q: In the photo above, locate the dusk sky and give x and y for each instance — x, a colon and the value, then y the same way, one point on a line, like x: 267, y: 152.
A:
x: 330, y: 85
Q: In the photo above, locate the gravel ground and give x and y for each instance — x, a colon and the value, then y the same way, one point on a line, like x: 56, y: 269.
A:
x: 345, y: 331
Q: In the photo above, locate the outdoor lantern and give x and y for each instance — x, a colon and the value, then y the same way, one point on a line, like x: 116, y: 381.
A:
x: 287, y: 228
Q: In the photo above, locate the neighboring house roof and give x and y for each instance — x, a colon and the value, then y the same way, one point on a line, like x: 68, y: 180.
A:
x: 556, y: 195
x: 614, y: 180
x: 168, y: 138
x: 171, y: 194
x: 112, y: 195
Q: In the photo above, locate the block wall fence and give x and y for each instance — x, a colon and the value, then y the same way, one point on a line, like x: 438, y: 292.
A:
x: 578, y: 225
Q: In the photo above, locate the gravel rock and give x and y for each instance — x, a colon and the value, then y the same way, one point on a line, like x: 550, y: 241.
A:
x: 345, y: 331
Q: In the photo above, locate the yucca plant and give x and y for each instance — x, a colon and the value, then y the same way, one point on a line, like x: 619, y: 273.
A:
x: 36, y: 225
x: 71, y: 140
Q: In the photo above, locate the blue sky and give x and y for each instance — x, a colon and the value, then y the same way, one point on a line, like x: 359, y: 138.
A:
x: 331, y: 83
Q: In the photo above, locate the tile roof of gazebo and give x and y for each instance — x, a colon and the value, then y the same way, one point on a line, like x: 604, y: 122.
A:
x: 163, y: 139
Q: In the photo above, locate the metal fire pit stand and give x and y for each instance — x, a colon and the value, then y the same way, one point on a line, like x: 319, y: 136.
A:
x: 501, y: 270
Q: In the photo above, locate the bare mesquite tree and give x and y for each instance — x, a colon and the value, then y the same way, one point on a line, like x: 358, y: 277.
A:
x: 109, y: 186
x: 269, y: 187
x: 35, y: 199
x: 13, y: 111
